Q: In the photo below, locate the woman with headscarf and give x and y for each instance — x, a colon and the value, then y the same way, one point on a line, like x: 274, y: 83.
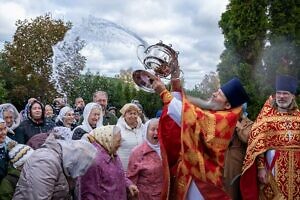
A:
x: 3, y: 149
x: 36, y: 122
x: 145, y: 165
x: 11, y: 116
x: 66, y: 118
x: 92, y: 118
x: 106, y: 179
x: 48, y: 171
x: 61, y: 132
x: 24, y: 112
x: 49, y: 113
x: 131, y: 130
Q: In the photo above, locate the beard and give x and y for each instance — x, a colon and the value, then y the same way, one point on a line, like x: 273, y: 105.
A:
x: 284, y: 104
x: 206, y: 104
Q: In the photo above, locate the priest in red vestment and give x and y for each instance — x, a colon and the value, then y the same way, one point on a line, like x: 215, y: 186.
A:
x: 194, y: 135
x: 271, y: 167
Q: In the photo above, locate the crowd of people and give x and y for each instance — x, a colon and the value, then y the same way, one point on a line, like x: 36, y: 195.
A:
x: 193, y: 149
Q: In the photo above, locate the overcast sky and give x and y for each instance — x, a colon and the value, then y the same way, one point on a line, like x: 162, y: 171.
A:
x: 191, y: 26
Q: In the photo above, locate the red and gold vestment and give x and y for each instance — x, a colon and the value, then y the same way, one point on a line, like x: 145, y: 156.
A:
x: 277, y: 131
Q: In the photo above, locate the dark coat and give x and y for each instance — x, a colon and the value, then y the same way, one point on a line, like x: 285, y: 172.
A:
x: 3, y: 162
x: 78, y: 133
x: 109, y: 119
x: 28, y: 128
x: 234, y: 158
x: 60, y: 123
x: 8, y: 184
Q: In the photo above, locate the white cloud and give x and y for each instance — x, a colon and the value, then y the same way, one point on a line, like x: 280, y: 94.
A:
x: 10, y: 12
x: 190, y: 25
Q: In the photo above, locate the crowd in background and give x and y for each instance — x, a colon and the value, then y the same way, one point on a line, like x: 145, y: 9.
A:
x: 79, y: 151
x: 85, y: 151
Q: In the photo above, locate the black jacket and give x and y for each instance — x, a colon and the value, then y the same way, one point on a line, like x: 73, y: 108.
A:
x: 28, y: 128
x: 78, y: 133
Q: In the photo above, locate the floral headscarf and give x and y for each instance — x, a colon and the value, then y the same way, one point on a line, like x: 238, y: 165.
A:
x: 104, y: 136
x: 29, y: 115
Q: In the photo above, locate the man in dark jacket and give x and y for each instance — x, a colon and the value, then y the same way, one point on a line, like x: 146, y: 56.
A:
x: 101, y: 98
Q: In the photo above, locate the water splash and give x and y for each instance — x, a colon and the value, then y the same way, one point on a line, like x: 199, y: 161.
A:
x: 99, y: 40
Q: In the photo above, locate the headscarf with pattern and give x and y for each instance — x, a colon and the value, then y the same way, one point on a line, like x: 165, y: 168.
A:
x: 104, y: 136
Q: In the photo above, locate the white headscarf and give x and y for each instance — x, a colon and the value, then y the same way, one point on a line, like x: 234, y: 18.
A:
x: 86, y: 113
x: 77, y: 156
x: 62, y: 113
x: 16, y: 115
x: 7, y: 139
x: 155, y: 147
x: 62, y: 132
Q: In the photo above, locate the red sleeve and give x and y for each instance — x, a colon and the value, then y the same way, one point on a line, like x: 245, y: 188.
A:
x: 249, y: 184
x: 169, y: 137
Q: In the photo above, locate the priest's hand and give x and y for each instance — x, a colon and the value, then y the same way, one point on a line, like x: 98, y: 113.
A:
x: 158, y: 86
x: 133, y: 190
x: 262, y: 175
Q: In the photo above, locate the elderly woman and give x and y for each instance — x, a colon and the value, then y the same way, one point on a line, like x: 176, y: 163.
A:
x: 145, y: 165
x: 3, y: 149
x: 92, y: 118
x: 49, y: 113
x: 11, y: 116
x: 36, y: 122
x: 106, y: 179
x: 66, y: 118
x: 60, y: 132
x: 48, y: 171
x: 131, y: 130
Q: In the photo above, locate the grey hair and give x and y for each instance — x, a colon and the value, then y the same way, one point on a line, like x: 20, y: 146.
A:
x: 293, y: 106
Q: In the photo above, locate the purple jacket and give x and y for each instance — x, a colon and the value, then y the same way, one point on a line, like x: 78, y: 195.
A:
x: 145, y: 170
x: 105, y: 179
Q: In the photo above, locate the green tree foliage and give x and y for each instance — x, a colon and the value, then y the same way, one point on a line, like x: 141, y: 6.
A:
x: 281, y: 55
x: 151, y: 102
x: 261, y: 40
x: 207, y: 87
x: 126, y: 76
x: 3, y: 92
x: 5, y: 80
x: 119, y: 92
x: 29, y: 58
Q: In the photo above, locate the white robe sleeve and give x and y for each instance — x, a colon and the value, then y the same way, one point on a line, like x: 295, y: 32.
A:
x: 175, y: 107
